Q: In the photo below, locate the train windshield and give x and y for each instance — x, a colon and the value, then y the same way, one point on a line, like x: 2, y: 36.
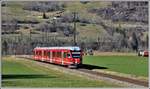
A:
x: 76, y: 54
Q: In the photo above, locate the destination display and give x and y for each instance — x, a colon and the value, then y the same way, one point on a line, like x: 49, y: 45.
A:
x: 76, y: 52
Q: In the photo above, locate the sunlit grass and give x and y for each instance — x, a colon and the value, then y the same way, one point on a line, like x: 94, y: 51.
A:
x: 20, y: 73
x: 134, y: 65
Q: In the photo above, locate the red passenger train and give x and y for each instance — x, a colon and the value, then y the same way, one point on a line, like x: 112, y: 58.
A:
x: 70, y: 56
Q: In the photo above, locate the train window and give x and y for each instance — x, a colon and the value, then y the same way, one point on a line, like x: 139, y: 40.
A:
x: 36, y: 52
x: 65, y: 54
x: 45, y: 53
x: 68, y: 55
x: 42, y: 53
x: 39, y: 53
x: 53, y: 54
x: 49, y: 54
x: 59, y: 54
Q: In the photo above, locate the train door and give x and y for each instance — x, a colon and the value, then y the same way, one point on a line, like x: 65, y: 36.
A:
x: 36, y: 54
x: 41, y: 55
x: 67, y: 57
x: 58, y: 57
x: 44, y: 55
x: 49, y: 56
x: 62, y: 57
x: 54, y: 56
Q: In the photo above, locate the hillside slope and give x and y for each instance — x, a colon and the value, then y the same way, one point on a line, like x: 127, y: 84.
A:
x: 49, y: 22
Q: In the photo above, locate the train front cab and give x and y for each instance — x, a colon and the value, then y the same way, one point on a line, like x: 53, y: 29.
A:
x: 74, y: 58
x: 65, y: 57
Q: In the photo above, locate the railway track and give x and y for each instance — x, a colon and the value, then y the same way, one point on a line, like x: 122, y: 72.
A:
x: 134, y: 81
x: 94, y: 74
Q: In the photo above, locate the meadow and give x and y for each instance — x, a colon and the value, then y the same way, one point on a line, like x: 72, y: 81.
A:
x: 20, y: 73
x: 133, y: 65
x: 17, y: 72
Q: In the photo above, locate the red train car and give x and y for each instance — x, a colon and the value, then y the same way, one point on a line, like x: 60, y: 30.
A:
x: 70, y: 56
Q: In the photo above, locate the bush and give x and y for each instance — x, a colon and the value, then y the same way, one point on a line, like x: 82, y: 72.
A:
x: 82, y: 24
x: 44, y: 6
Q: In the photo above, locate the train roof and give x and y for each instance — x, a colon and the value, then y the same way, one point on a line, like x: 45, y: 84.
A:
x: 68, y: 48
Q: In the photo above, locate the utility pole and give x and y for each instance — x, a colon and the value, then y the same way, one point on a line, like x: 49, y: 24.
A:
x: 54, y: 29
x: 74, y: 20
x: 30, y: 41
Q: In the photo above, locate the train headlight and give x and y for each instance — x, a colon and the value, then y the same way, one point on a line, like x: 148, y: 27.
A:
x: 76, y: 61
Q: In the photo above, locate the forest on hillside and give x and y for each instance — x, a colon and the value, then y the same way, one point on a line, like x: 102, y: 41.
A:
x: 120, y: 26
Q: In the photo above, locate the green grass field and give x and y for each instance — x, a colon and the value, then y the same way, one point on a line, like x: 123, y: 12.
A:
x: 21, y: 73
x: 133, y: 65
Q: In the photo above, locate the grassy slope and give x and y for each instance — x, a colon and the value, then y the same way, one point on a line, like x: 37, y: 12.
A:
x: 90, y: 31
x: 87, y: 33
x: 125, y: 64
x: 19, y: 73
x: 82, y: 8
x: 15, y: 9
